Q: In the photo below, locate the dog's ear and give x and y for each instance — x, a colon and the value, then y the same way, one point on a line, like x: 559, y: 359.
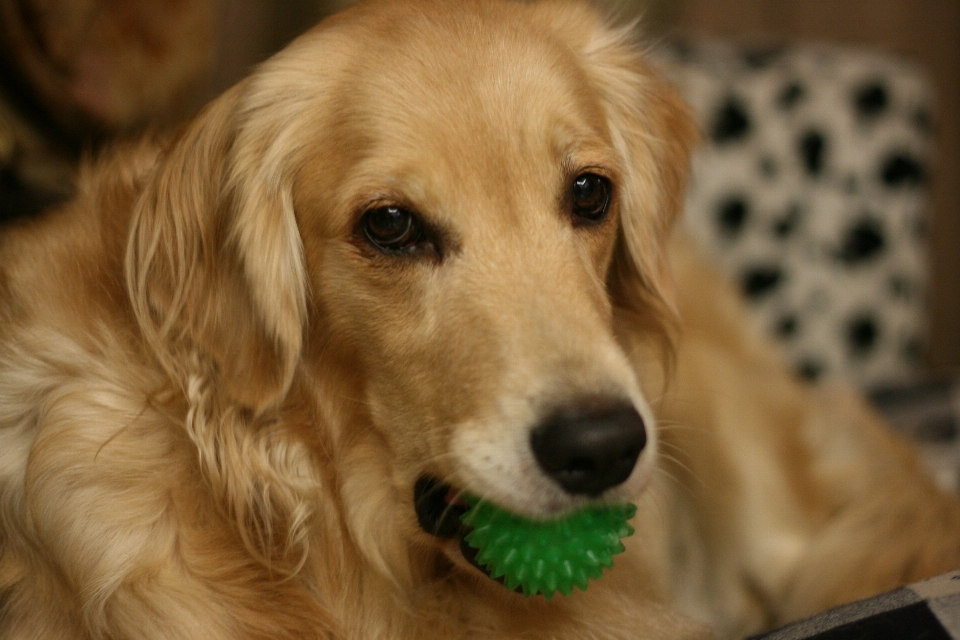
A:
x: 216, y: 278
x: 653, y: 132
x: 214, y: 263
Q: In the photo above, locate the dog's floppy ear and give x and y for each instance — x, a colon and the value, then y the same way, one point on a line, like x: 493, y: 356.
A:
x: 653, y: 132
x: 214, y: 262
x: 215, y: 275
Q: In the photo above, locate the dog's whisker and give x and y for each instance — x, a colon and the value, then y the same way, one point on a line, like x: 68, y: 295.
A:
x: 669, y: 475
x: 682, y: 465
x: 676, y: 425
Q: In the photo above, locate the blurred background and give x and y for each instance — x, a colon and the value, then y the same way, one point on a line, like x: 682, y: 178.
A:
x: 926, y: 32
x: 828, y: 187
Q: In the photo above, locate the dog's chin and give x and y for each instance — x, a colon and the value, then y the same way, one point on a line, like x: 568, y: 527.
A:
x: 439, y: 510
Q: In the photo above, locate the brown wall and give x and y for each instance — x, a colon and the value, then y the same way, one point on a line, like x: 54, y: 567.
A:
x: 928, y: 31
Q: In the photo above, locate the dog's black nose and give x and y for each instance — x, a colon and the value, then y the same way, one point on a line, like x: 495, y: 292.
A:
x: 589, y: 449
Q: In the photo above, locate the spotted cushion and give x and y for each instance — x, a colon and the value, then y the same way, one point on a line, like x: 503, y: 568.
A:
x: 810, y: 191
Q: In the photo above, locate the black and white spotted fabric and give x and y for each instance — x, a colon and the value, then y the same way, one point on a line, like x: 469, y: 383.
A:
x: 928, y: 610
x: 810, y: 191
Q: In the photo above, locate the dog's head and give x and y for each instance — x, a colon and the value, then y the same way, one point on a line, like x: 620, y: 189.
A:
x: 430, y: 214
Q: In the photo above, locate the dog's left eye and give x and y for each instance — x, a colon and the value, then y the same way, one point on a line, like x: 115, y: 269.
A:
x: 392, y: 229
x: 590, y: 197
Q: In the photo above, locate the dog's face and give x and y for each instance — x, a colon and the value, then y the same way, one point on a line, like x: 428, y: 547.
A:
x: 440, y: 210
x: 460, y: 245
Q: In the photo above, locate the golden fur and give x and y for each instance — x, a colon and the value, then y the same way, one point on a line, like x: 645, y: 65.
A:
x: 216, y: 396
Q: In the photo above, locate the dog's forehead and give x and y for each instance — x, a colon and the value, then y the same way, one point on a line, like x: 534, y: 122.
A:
x: 468, y: 103
x: 478, y: 72
x: 475, y: 99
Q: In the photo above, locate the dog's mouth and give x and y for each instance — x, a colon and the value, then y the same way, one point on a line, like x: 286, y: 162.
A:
x: 439, y: 509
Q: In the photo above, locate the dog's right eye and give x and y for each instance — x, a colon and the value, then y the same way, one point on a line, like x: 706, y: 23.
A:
x: 590, y: 198
x: 392, y: 229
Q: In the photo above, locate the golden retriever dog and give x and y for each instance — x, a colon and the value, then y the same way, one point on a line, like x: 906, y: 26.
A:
x: 424, y: 250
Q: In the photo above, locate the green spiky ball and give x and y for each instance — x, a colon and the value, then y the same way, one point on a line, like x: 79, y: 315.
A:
x: 551, y: 555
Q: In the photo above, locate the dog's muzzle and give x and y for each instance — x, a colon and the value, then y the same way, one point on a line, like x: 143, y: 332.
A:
x: 586, y: 448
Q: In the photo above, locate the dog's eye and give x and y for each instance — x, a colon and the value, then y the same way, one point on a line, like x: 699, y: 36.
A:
x: 590, y: 197
x: 392, y: 229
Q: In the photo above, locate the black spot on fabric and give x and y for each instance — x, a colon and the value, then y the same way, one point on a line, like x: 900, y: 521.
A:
x: 902, y: 170
x: 731, y: 122
x: 761, y: 58
x: 786, y: 225
x: 863, y: 241
x: 760, y: 281
x: 812, y: 147
x: 862, y: 333
x: 810, y: 369
x: 787, y: 327
x: 768, y: 167
x: 871, y: 99
x: 732, y: 214
x: 922, y: 120
x: 790, y: 96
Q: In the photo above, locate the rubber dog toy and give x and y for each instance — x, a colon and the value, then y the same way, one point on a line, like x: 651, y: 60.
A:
x: 551, y: 555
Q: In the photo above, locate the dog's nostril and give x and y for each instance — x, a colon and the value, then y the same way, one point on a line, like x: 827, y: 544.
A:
x: 590, y: 451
